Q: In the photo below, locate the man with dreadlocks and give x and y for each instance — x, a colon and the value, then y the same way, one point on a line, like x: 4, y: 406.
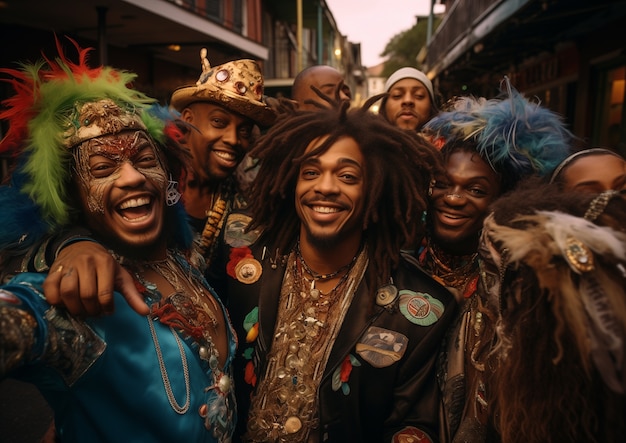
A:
x: 340, y: 329
x: 91, y: 153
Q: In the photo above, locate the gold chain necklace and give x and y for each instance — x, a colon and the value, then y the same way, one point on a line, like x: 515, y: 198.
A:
x: 165, y: 377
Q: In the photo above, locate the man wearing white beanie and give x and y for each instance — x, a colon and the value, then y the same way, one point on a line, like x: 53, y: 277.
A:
x: 411, y: 101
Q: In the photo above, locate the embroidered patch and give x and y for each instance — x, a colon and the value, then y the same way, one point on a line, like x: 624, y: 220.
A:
x: 420, y: 308
x: 411, y: 435
x: 381, y: 347
x: 234, y: 231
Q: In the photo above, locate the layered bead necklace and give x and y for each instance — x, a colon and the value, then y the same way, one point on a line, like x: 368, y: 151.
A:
x: 315, y: 276
x: 284, y: 408
x: 459, y: 272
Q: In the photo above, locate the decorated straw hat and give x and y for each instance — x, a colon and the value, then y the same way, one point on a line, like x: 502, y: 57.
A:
x: 236, y: 85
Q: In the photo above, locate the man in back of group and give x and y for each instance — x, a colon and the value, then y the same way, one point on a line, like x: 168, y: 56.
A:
x: 326, y: 79
x: 411, y: 102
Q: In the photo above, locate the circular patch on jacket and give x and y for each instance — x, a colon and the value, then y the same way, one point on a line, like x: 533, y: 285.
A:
x: 248, y: 270
x: 420, y: 308
x: 235, y: 234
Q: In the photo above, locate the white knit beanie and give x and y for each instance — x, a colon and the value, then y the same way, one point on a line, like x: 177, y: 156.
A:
x: 408, y: 72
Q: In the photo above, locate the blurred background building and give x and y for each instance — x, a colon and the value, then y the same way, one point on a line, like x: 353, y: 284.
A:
x: 570, y: 54
x: 160, y: 40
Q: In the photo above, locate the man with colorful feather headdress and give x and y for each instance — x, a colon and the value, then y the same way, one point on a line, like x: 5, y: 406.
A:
x: 489, y: 146
x: 90, y: 151
x: 218, y: 117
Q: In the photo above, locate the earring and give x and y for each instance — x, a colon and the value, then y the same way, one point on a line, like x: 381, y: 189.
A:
x: 430, y: 188
x: 172, y: 196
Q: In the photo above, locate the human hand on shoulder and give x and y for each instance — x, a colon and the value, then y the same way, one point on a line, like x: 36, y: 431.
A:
x: 83, y: 278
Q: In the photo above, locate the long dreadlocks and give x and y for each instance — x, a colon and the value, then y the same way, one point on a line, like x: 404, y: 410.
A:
x: 561, y: 295
x: 398, y: 168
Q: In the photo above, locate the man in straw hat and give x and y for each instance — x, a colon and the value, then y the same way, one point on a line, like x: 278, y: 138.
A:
x: 221, y: 110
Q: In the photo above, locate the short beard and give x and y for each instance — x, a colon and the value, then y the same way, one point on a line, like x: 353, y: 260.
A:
x: 321, y: 242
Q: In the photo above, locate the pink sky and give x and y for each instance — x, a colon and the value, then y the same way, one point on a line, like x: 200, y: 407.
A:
x: 374, y: 22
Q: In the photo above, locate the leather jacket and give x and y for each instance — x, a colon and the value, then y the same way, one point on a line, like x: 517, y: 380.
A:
x: 382, y: 401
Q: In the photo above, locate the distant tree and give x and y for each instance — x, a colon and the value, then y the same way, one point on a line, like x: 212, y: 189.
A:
x: 403, y: 48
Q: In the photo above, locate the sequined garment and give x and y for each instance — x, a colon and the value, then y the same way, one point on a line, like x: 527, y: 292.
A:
x: 104, y: 377
x: 284, y: 408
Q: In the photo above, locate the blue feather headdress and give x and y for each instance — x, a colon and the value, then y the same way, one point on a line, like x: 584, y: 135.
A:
x: 516, y: 137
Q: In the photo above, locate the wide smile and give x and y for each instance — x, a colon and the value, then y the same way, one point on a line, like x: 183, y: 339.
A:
x: 324, y: 209
x: 136, y: 212
x: 324, y: 213
x: 227, y: 158
x: 451, y: 219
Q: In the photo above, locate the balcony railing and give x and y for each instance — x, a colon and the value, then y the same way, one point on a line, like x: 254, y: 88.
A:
x: 461, y: 17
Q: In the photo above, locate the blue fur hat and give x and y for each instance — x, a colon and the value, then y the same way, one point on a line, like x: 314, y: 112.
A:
x: 516, y: 137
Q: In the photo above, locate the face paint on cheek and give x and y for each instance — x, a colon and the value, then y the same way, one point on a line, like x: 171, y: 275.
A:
x: 156, y: 176
x: 96, y: 189
x: 92, y: 189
